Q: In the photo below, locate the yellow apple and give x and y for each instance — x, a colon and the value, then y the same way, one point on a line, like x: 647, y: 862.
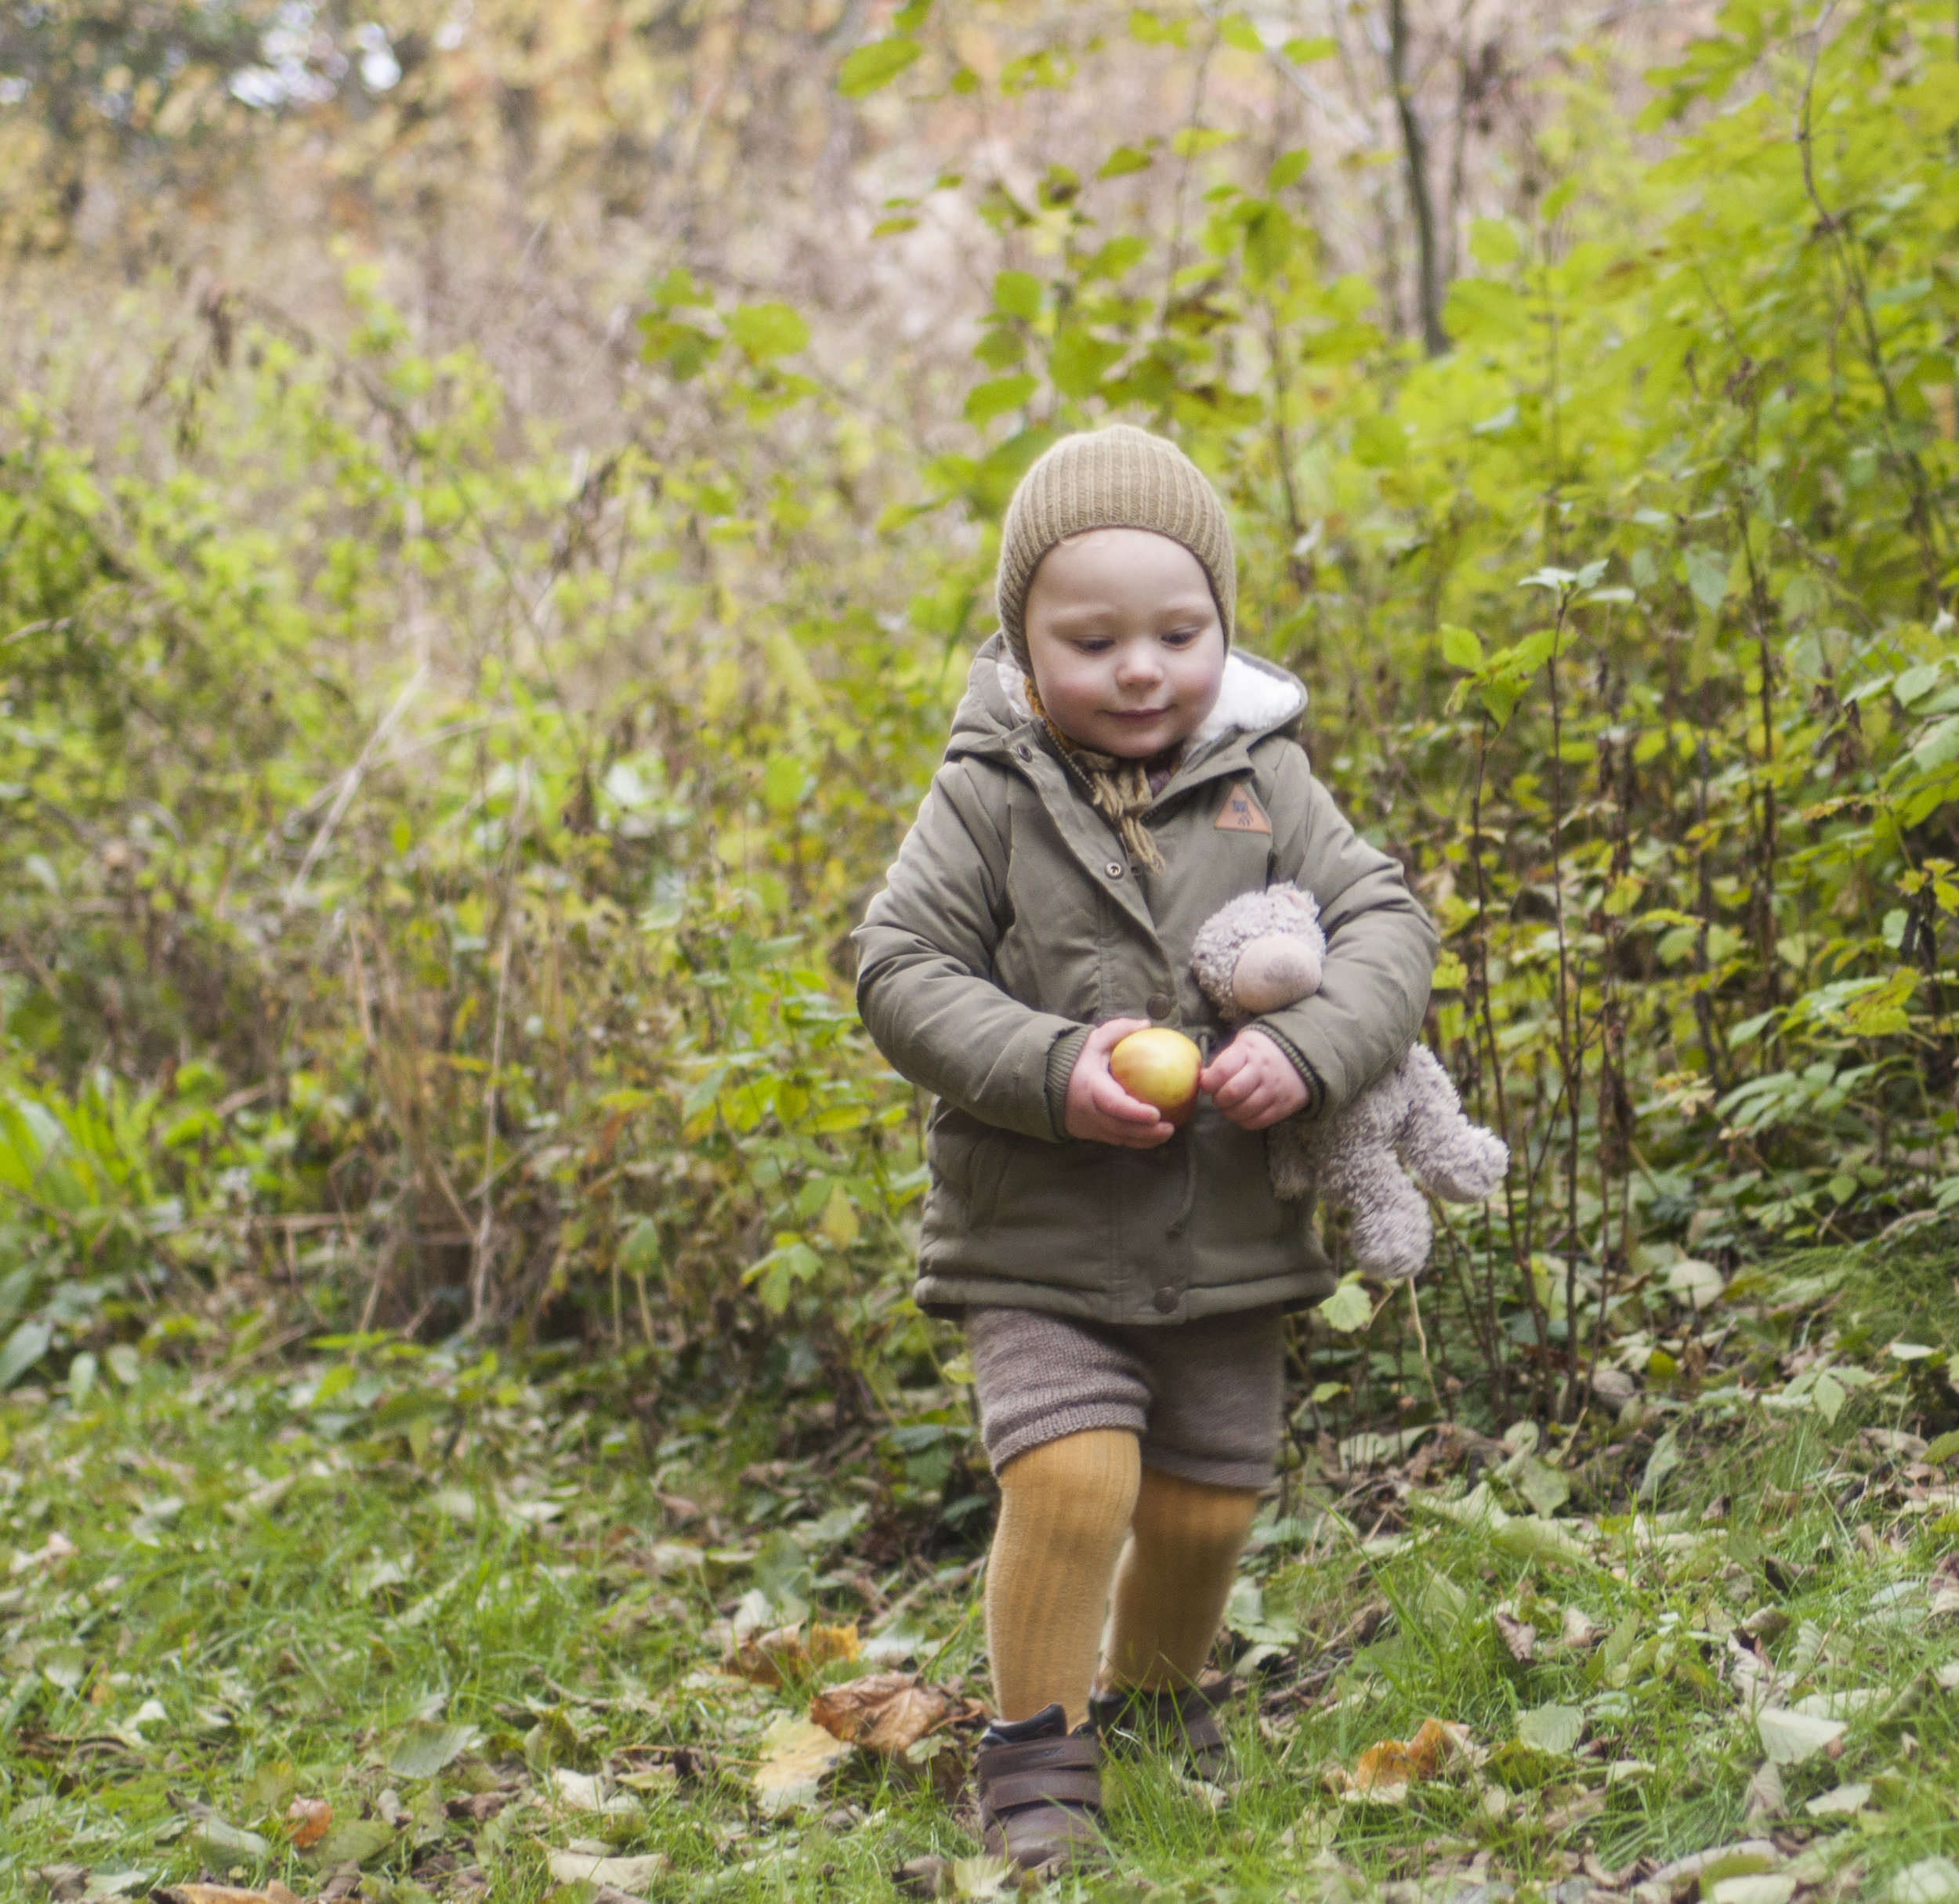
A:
x: 1161, y: 1067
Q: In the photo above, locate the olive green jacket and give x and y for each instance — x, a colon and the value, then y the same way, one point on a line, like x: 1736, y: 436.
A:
x: 1012, y: 921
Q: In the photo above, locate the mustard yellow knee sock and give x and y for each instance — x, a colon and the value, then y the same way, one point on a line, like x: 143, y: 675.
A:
x: 1174, y: 1578
x: 1064, y: 1509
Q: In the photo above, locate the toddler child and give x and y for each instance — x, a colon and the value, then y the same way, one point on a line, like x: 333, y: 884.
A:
x: 1115, y: 774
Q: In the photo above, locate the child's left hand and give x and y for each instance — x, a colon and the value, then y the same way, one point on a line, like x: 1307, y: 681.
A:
x: 1253, y: 1082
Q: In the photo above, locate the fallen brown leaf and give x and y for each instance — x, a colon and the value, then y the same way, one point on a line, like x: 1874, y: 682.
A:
x: 344, y: 1883
x: 479, y: 1807
x: 1520, y: 1637
x: 1765, y: 1797
x: 1385, y: 1769
x: 631, y: 1877
x: 886, y: 1712
x: 1943, y: 1586
x: 1578, y: 1629
x: 306, y: 1822
x: 274, y: 1893
x: 782, y: 1653
x: 1586, y: 1804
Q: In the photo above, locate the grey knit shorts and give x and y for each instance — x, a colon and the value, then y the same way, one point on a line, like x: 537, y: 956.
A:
x: 1204, y: 1398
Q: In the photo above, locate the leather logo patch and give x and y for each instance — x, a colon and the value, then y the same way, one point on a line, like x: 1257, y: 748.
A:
x: 1240, y: 814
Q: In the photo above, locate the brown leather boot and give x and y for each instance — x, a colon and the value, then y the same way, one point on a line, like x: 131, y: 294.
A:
x: 1176, y: 1719
x: 1040, y: 1792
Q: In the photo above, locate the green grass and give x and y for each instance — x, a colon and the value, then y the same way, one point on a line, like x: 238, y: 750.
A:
x: 230, y: 1591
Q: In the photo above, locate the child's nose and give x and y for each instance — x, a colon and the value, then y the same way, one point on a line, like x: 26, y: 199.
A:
x: 1137, y: 666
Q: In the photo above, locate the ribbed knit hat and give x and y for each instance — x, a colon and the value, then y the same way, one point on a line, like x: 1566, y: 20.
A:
x: 1116, y: 478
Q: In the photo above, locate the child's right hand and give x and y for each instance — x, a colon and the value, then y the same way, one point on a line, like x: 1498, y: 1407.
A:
x: 1098, y: 1108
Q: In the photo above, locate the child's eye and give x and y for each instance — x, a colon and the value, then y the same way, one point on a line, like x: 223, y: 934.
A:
x: 1181, y: 638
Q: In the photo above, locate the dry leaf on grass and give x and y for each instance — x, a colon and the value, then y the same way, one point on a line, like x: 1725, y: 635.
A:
x: 1745, y: 1859
x: 1766, y: 1797
x: 479, y: 1808
x: 118, y: 1885
x: 306, y: 1822
x: 888, y: 1713
x: 1580, y: 1629
x: 1520, y: 1637
x: 796, y: 1755
x: 1943, y: 1587
x: 1843, y: 1801
x: 1384, y: 1771
x: 633, y: 1875
x: 1931, y: 1880
x: 1788, y: 1737
x: 782, y: 1653
x: 1763, y: 1887
x: 274, y: 1893
x: 583, y: 1792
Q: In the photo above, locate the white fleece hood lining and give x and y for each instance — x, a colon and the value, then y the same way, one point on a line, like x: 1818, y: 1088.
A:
x: 1249, y: 700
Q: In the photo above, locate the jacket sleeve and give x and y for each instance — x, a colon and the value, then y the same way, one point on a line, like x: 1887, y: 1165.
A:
x: 925, y: 965
x: 1380, y: 947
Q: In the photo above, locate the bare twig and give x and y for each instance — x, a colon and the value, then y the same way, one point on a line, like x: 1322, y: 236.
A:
x: 350, y: 785
x: 513, y: 907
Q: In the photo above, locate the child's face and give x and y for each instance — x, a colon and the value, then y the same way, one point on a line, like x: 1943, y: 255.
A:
x: 1124, y: 636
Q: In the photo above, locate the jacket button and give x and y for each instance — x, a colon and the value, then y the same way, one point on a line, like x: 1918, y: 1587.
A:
x: 1025, y: 751
x: 1162, y: 1004
x: 1115, y: 869
x: 1165, y: 1299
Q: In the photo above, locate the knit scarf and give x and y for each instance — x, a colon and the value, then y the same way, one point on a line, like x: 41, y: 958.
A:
x: 1120, y: 789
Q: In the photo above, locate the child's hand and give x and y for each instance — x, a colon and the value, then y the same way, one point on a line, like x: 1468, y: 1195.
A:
x: 1253, y: 1082
x: 1098, y: 1108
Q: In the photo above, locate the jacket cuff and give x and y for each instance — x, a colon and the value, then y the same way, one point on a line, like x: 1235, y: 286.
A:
x: 1061, y: 1063
x: 1315, y: 1089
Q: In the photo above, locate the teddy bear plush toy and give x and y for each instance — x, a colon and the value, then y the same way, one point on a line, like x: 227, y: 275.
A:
x: 1265, y: 950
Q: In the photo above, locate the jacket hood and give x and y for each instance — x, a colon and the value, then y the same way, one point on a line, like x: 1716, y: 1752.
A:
x: 1256, y: 697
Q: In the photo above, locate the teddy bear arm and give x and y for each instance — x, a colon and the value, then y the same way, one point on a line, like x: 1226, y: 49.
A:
x: 1448, y: 1156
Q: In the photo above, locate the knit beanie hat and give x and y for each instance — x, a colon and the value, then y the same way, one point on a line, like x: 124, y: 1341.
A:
x: 1116, y: 478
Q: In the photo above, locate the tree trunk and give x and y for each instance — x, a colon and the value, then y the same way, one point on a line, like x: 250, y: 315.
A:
x: 1415, y: 149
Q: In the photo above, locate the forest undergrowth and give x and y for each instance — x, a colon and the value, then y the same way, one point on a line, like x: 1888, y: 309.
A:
x: 418, y: 1625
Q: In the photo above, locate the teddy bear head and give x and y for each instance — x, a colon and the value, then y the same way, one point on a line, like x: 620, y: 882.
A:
x: 1260, y: 951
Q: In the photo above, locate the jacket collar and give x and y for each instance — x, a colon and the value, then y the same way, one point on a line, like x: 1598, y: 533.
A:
x: 1256, y: 698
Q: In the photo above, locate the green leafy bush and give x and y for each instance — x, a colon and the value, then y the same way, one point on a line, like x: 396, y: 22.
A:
x: 448, y: 836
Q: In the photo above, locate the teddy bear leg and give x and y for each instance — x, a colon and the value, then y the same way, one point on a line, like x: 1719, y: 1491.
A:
x: 1389, y: 1231
x: 1448, y: 1156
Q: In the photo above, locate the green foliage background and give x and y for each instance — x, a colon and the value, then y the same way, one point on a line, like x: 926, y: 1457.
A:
x: 428, y: 845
